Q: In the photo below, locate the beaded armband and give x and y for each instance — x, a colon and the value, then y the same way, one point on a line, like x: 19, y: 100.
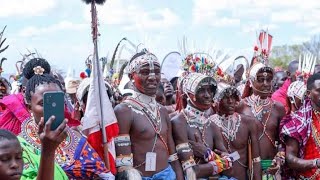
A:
x: 220, y: 165
x: 122, y: 140
x: 212, y: 156
x: 188, y: 163
x: 256, y: 160
x: 124, y: 160
x: 183, y: 148
x: 209, y: 156
x: 215, y: 167
x: 173, y: 157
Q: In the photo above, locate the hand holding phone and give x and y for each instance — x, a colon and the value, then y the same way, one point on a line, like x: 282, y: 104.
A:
x: 51, y: 139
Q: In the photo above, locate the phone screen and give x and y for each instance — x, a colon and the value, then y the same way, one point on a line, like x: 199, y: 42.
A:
x: 53, y: 105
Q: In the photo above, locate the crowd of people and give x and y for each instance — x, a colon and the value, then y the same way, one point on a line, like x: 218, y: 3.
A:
x: 254, y: 122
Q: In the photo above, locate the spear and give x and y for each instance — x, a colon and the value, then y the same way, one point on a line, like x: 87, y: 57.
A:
x: 94, y: 26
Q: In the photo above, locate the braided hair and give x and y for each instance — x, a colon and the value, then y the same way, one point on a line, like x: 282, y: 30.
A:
x: 36, y: 79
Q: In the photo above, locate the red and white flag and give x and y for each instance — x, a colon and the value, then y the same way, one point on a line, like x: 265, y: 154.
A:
x: 98, y: 106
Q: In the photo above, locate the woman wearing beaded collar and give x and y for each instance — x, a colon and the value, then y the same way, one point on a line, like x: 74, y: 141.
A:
x: 74, y: 154
x: 203, y: 135
x: 236, y: 130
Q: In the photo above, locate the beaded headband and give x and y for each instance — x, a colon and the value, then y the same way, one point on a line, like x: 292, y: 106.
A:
x: 138, y: 62
x: 258, y: 68
x: 226, y: 90
x: 297, y: 89
x: 193, y: 82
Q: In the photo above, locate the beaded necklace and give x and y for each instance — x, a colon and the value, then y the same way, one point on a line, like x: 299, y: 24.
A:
x: 259, y: 107
x: 229, y: 126
x: 264, y: 132
x: 65, y: 151
x: 149, y: 102
x: 196, y: 119
x: 155, y: 122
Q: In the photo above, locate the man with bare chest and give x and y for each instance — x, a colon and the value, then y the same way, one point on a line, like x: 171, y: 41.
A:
x: 145, y: 140
x: 236, y: 130
x: 267, y: 113
x: 192, y: 125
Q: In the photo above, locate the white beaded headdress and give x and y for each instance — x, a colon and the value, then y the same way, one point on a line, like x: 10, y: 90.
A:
x: 148, y: 58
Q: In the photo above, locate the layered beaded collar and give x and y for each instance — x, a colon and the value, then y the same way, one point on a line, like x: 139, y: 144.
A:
x: 148, y: 102
x: 195, y: 117
x: 259, y: 106
x: 66, y: 150
x: 228, y: 124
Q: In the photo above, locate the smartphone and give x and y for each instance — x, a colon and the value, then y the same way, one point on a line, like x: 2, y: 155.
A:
x: 53, y: 105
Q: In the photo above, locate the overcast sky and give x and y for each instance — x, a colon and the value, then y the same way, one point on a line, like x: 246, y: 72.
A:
x: 60, y: 29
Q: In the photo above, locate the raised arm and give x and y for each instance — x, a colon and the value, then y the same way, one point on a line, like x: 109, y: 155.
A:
x: 50, y: 141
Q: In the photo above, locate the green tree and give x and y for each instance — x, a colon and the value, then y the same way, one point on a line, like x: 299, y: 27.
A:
x: 282, y: 55
x: 313, y: 46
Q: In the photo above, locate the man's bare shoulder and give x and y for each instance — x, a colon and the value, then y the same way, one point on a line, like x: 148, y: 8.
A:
x: 124, y: 116
x: 279, y: 107
x: 178, y: 118
x: 163, y: 109
x: 122, y: 108
x: 247, y: 119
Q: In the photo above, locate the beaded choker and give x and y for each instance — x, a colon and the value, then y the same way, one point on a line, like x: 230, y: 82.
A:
x: 149, y: 102
x: 258, y: 106
x: 195, y: 118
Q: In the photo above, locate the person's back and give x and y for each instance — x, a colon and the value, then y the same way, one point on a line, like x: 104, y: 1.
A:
x: 15, y: 113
